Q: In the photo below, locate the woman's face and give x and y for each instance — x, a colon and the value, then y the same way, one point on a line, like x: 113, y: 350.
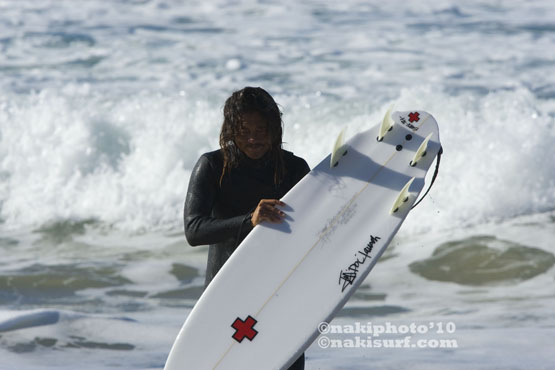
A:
x: 253, y: 138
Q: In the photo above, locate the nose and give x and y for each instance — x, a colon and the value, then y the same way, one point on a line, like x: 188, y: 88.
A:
x: 255, y: 137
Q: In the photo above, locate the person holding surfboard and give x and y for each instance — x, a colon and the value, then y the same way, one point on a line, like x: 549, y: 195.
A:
x: 237, y: 187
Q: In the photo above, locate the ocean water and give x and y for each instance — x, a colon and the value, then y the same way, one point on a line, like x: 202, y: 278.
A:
x: 105, y: 106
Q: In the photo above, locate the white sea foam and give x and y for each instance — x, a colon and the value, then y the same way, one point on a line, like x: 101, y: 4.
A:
x: 126, y: 161
x: 81, y: 157
x: 104, y: 109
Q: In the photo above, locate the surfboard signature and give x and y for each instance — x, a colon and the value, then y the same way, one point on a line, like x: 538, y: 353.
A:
x: 348, y: 276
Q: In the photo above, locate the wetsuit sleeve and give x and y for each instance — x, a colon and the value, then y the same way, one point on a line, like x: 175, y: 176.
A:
x: 302, y: 169
x: 200, y: 226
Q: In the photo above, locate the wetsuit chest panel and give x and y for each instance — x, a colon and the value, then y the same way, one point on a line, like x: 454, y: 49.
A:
x: 242, y: 189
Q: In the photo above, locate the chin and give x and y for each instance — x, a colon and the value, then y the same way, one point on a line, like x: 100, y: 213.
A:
x: 255, y: 155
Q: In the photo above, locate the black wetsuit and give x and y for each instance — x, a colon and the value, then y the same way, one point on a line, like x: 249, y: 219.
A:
x: 219, y: 215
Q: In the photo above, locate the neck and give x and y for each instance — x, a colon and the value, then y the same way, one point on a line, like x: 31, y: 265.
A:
x: 255, y: 163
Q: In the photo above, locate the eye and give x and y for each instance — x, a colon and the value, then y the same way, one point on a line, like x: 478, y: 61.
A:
x: 258, y: 131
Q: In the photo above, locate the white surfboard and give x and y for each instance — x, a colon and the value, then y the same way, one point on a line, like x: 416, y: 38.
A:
x: 263, y: 308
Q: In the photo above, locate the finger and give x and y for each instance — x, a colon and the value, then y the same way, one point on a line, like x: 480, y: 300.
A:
x: 273, y: 220
x: 277, y: 202
x: 272, y: 202
x: 271, y: 210
x: 272, y: 214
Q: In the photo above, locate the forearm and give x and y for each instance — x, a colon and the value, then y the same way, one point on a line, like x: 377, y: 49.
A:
x: 202, y: 230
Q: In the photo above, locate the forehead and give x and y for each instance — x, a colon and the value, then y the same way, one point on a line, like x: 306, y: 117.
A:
x: 253, y: 120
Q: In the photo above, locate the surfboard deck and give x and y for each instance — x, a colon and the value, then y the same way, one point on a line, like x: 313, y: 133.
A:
x: 263, y: 308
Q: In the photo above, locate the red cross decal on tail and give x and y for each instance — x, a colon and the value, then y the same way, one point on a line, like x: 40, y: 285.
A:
x: 244, y: 329
x: 414, y: 117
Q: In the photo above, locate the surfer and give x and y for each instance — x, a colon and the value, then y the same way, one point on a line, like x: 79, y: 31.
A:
x: 233, y: 189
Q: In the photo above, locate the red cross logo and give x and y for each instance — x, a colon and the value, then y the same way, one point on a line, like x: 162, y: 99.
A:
x: 244, y: 329
x: 414, y: 117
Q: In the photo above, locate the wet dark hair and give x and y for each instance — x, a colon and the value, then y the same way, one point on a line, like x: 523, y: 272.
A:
x: 251, y: 100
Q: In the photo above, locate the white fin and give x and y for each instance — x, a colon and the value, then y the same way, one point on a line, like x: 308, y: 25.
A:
x: 339, y: 149
x: 402, y: 198
x: 421, y: 152
x: 387, y: 123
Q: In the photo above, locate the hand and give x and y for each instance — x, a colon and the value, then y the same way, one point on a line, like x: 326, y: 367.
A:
x: 266, y: 211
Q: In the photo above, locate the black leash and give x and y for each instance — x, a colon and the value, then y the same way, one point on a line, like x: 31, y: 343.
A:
x: 439, y: 153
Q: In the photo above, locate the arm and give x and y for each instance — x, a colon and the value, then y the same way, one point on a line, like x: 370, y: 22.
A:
x: 302, y: 170
x: 200, y: 226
